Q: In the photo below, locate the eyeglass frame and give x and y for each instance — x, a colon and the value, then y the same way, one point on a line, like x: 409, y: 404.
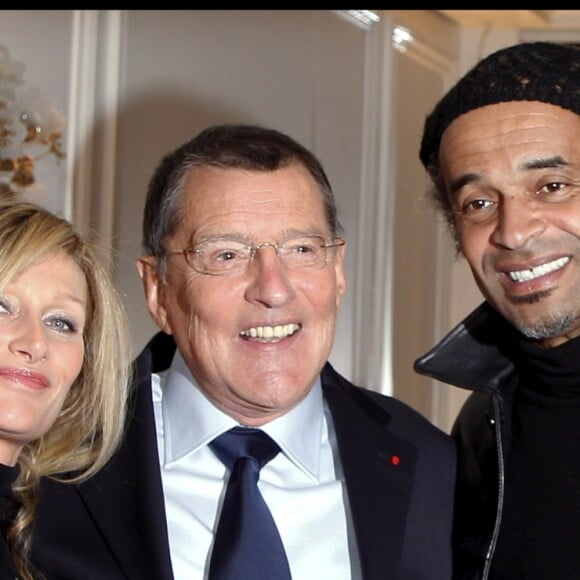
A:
x: 254, y: 249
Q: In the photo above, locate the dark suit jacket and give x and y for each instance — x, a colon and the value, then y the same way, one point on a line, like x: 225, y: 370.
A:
x: 399, y: 472
x: 8, y: 475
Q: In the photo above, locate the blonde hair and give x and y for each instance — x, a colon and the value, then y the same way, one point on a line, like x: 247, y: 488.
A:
x: 90, y: 424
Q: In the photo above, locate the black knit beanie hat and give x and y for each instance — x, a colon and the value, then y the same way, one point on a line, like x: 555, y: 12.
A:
x: 533, y: 71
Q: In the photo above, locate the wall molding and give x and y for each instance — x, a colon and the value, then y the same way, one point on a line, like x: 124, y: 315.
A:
x: 93, y: 113
x: 373, y: 289
x: 374, y: 300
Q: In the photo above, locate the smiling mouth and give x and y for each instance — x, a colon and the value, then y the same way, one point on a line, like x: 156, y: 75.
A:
x: 25, y: 378
x: 270, y: 333
x: 538, y: 271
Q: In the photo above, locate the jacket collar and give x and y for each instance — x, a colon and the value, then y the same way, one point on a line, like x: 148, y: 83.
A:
x: 471, y: 356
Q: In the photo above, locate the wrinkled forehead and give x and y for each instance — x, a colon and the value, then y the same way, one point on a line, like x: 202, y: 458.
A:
x: 510, y: 131
x: 218, y: 200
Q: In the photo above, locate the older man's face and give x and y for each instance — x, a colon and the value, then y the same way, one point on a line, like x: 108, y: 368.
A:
x: 255, y: 339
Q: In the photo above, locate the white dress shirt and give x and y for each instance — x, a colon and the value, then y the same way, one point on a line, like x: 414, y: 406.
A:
x: 299, y: 485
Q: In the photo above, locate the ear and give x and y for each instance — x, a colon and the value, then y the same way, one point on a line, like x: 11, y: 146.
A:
x: 339, y: 273
x: 154, y: 288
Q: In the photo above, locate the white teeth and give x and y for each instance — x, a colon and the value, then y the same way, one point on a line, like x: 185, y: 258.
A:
x: 271, y: 333
x: 531, y: 273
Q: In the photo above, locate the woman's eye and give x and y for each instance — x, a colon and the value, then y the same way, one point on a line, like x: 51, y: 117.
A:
x: 61, y: 325
x: 5, y: 307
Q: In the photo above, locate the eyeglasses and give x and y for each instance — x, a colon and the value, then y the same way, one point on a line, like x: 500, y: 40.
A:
x: 230, y: 256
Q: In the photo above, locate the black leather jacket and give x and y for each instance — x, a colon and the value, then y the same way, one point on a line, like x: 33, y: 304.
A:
x: 475, y: 356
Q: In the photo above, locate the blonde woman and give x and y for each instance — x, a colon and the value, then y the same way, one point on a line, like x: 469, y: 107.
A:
x: 64, y: 367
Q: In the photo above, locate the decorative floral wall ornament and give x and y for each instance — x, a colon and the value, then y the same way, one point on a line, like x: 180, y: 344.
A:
x: 31, y: 128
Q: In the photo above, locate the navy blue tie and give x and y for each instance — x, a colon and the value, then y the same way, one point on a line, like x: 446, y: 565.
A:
x: 247, y: 543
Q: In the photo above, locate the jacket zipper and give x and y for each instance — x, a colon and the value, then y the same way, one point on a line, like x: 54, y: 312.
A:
x: 501, y: 486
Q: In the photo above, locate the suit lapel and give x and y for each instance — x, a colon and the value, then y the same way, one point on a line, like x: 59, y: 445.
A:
x: 378, y: 468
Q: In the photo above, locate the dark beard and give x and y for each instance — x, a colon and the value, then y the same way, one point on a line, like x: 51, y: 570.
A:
x: 529, y: 298
x: 547, y: 327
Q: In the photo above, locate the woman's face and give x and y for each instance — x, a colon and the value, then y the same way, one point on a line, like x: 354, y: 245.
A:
x: 42, y: 317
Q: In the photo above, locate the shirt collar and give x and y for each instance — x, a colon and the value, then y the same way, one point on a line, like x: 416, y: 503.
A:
x: 191, y: 421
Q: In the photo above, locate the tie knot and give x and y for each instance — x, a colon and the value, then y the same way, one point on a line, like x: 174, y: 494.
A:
x: 244, y: 442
